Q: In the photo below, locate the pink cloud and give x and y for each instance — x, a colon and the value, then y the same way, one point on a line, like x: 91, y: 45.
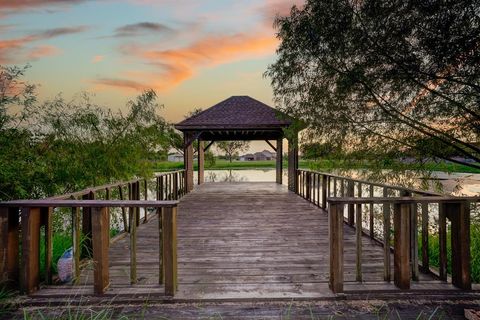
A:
x: 174, y: 66
x: 13, y: 6
x: 97, y: 58
x: 42, y: 51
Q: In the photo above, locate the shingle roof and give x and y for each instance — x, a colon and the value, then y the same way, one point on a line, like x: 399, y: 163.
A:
x: 236, y: 112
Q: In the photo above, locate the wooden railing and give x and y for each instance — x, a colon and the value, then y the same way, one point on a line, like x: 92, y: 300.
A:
x: 21, y: 222
x: 334, y: 193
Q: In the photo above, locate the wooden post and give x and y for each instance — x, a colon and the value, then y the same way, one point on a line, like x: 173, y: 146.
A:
x: 137, y: 197
x: 442, y: 238
x: 279, y: 161
x: 161, y: 277
x: 372, y: 217
x: 459, y: 215
x: 169, y: 228
x: 124, y: 212
x: 386, y: 238
x: 188, y: 161
x: 87, y: 227
x: 351, y: 206
x: 425, y: 248
x: 414, y: 241
x: 308, y: 185
x: 9, y: 242
x: 324, y: 192
x: 160, y: 188
x: 293, y: 164
x: 201, y: 162
x: 30, y: 275
x: 145, y: 197
x: 335, y: 222
x: 318, y: 189
x: 133, y: 245
x: 175, y: 186
x: 46, y: 216
x: 100, y: 239
x: 358, y: 234
x: 76, y: 235
x: 401, y: 258
x: 335, y: 187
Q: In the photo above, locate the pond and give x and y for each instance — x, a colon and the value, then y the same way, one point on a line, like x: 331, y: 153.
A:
x: 466, y: 184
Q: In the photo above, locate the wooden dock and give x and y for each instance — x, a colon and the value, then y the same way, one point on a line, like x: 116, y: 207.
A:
x: 241, y: 241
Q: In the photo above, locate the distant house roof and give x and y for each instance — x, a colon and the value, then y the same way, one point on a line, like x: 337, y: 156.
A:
x: 237, y: 112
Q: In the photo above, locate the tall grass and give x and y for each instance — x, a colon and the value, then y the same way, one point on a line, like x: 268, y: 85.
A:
x: 434, y: 251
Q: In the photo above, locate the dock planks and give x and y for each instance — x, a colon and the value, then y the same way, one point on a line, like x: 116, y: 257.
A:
x: 243, y: 240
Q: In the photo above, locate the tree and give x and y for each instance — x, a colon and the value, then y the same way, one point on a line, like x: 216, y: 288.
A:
x: 232, y: 148
x: 60, y: 146
x: 316, y: 150
x: 383, y: 76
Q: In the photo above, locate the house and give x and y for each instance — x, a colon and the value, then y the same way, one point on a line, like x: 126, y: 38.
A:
x: 175, y: 157
x: 259, y: 156
x: 247, y: 157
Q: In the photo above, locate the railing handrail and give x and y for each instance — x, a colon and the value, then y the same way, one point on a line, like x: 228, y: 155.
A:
x: 90, y: 203
x: 378, y: 200
x: 377, y: 184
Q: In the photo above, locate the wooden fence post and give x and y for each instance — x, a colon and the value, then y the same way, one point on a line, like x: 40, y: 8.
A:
x: 358, y: 234
x: 308, y: 182
x: 76, y: 236
x: 371, y: 216
x: 386, y: 238
x: 324, y: 192
x: 175, y: 186
x: 87, y: 226
x: 459, y: 215
x: 335, y: 222
x: 30, y: 276
x: 425, y: 249
x: 9, y: 242
x: 442, y: 238
x: 46, y: 217
x: 100, y: 239
x: 351, y: 206
x: 169, y: 230
x: 401, y: 225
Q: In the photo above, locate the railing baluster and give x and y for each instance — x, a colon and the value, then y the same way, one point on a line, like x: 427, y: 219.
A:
x: 334, y: 187
x: 335, y: 221
x: 350, y: 206
x: 358, y: 233
x: 169, y: 231
x: 425, y: 248
x: 30, y: 277
x: 442, y: 238
x: 386, y: 238
x: 145, y: 197
x: 76, y: 243
x: 414, y: 240
x: 308, y: 186
x: 459, y: 214
x: 47, y: 214
x: 9, y: 246
x: 124, y: 213
x: 100, y: 239
x: 401, y: 228
x: 372, y: 217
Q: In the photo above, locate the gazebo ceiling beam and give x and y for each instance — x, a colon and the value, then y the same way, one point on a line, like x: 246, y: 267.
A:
x: 208, y: 145
x: 271, y: 145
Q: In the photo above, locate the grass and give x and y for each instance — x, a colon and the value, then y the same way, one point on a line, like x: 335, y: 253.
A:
x: 325, y: 164
x: 434, y: 251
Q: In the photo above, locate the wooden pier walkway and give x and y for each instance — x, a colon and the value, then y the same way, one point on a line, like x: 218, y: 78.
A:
x: 242, y: 241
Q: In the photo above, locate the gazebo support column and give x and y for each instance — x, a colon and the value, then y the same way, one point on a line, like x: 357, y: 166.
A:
x: 279, y: 160
x: 188, y: 161
x: 201, y: 162
x: 292, y: 163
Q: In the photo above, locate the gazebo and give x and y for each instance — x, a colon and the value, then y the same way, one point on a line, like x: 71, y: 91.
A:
x: 238, y: 118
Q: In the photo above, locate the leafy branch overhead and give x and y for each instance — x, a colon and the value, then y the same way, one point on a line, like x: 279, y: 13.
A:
x: 384, y: 76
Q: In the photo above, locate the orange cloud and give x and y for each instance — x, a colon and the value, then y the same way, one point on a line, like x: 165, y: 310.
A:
x: 43, y: 51
x: 13, y: 50
x: 97, y: 58
x: 12, y: 6
x: 177, y: 65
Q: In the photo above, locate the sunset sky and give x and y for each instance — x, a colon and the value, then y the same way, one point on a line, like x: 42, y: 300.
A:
x: 194, y: 53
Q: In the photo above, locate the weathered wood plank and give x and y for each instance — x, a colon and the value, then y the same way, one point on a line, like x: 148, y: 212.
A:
x: 335, y: 219
x: 100, y: 240
x: 9, y: 246
x: 30, y: 274
x: 169, y: 231
x: 401, y: 228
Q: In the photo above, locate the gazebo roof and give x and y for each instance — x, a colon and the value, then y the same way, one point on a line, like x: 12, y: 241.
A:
x: 234, y: 113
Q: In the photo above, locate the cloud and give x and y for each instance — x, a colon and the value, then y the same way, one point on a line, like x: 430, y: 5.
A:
x: 97, y: 58
x: 174, y: 66
x: 42, y: 51
x: 13, y: 6
x: 12, y: 50
x: 141, y: 28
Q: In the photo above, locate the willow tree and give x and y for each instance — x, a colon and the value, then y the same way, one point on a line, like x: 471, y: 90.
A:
x: 385, y: 77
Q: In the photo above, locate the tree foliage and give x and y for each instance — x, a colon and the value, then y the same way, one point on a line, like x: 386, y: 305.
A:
x: 60, y: 146
x: 232, y: 148
x: 383, y: 76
